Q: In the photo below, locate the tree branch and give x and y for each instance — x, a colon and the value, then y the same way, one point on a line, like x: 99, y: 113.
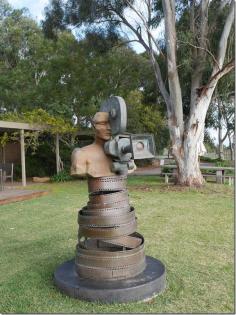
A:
x: 203, y: 48
x: 215, y: 78
x: 127, y: 42
x: 155, y: 64
x: 135, y: 31
x: 225, y: 35
x: 157, y: 72
x: 225, y: 136
x: 146, y: 24
x: 203, y: 24
x: 198, y: 55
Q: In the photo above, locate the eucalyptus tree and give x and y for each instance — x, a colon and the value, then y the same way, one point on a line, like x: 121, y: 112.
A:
x: 206, y: 45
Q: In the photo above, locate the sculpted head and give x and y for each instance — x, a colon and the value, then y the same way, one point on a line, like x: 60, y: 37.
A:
x: 102, y: 126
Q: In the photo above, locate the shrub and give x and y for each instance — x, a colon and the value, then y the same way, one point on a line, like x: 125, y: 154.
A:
x: 62, y: 176
x: 167, y: 169
x: 225, y: 163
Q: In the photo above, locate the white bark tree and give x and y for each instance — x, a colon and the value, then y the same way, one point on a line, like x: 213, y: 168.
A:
x: 186, y: 136
x: 186, y: 133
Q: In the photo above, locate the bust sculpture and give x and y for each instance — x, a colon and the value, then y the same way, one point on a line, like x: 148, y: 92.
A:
x: 92, y: 160
x: 110, y: 263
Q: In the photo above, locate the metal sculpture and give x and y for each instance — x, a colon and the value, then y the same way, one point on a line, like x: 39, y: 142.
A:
x: 110, y: 263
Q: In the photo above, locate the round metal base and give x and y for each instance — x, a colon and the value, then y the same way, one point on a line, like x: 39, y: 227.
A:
x: 142, y: 287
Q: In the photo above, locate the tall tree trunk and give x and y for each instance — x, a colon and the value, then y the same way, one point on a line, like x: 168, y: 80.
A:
x: 186, y: 137
x: 221, y: 146
x: 231, y: 147
x: 189, y: 172
x: 220, y: 137
x: 187, y: 149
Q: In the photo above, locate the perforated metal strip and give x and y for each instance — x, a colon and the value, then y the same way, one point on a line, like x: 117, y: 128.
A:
x: 110, y: 262
x: 107, y: 273
x: 106, y: 220
x: 109, y: 183
x: 109, y: 247
x: 109, y: 197
x: 100, y: 206
x: 106, y: 211
x: 108, y: 232
x: 102, y: 264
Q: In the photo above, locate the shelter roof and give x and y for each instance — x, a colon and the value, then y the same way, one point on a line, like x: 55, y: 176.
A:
x: 18, y: 125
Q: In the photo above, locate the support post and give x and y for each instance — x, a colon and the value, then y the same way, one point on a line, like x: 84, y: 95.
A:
x: 3, y: 155
x: 166, y: 179
x: 22, y: 149
x: 57, y: 154
x: 219, y: 177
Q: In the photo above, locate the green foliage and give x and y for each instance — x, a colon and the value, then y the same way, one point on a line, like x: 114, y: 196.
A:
x: 4, y: 139
x: 146, y: 119
x: 64, y: 76
x: 207, y: 159
x: 194, y: 62
x: 191, y: 64
x: 52, y: 26
x: 39, y: 116
x: 43, y: 163
x: 167, y: 169
x: 50, y: 124
x: 17, y: 172
x: 62, y: 176
x: 224, y: 163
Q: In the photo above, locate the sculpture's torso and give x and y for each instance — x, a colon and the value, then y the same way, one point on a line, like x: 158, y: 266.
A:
x: 91, y: 160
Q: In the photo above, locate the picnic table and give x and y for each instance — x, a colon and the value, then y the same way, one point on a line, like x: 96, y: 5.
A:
x: 219, y: 172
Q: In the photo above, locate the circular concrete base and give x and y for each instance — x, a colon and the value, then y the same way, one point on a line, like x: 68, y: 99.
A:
x: 142, y: 287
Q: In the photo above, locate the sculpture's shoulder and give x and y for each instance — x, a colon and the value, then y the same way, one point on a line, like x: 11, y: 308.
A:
x: 77, y: 153
x: 79, y: 161
x: 82, y: 153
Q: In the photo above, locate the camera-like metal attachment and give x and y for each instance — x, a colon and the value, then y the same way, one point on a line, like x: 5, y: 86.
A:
x: 124, y: 148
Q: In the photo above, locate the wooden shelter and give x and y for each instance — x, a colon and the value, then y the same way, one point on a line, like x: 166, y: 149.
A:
x: 9, y: 125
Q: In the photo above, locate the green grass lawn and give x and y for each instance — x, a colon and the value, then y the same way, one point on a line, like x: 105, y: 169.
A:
x: 190, y: 230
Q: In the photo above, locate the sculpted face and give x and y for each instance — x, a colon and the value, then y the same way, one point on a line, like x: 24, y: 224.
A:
x: 102, y: 126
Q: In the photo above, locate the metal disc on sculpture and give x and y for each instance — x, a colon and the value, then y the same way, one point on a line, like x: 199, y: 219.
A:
x: 143, y: 286
x: 116, y: 107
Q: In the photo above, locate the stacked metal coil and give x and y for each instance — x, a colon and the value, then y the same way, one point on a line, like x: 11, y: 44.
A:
x: 109, y: 246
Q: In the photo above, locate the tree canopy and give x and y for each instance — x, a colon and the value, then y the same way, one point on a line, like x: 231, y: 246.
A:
x: 197, y: 51
x: 65, y: 75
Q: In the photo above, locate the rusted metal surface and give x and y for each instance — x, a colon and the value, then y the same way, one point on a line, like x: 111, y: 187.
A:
x: 108, y: 183
x: 110, y: 197
x: 110, y: 220
x: 109, y: 246
x: 101, y: 261
x: 108, y: 232
x: 117, y: 209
